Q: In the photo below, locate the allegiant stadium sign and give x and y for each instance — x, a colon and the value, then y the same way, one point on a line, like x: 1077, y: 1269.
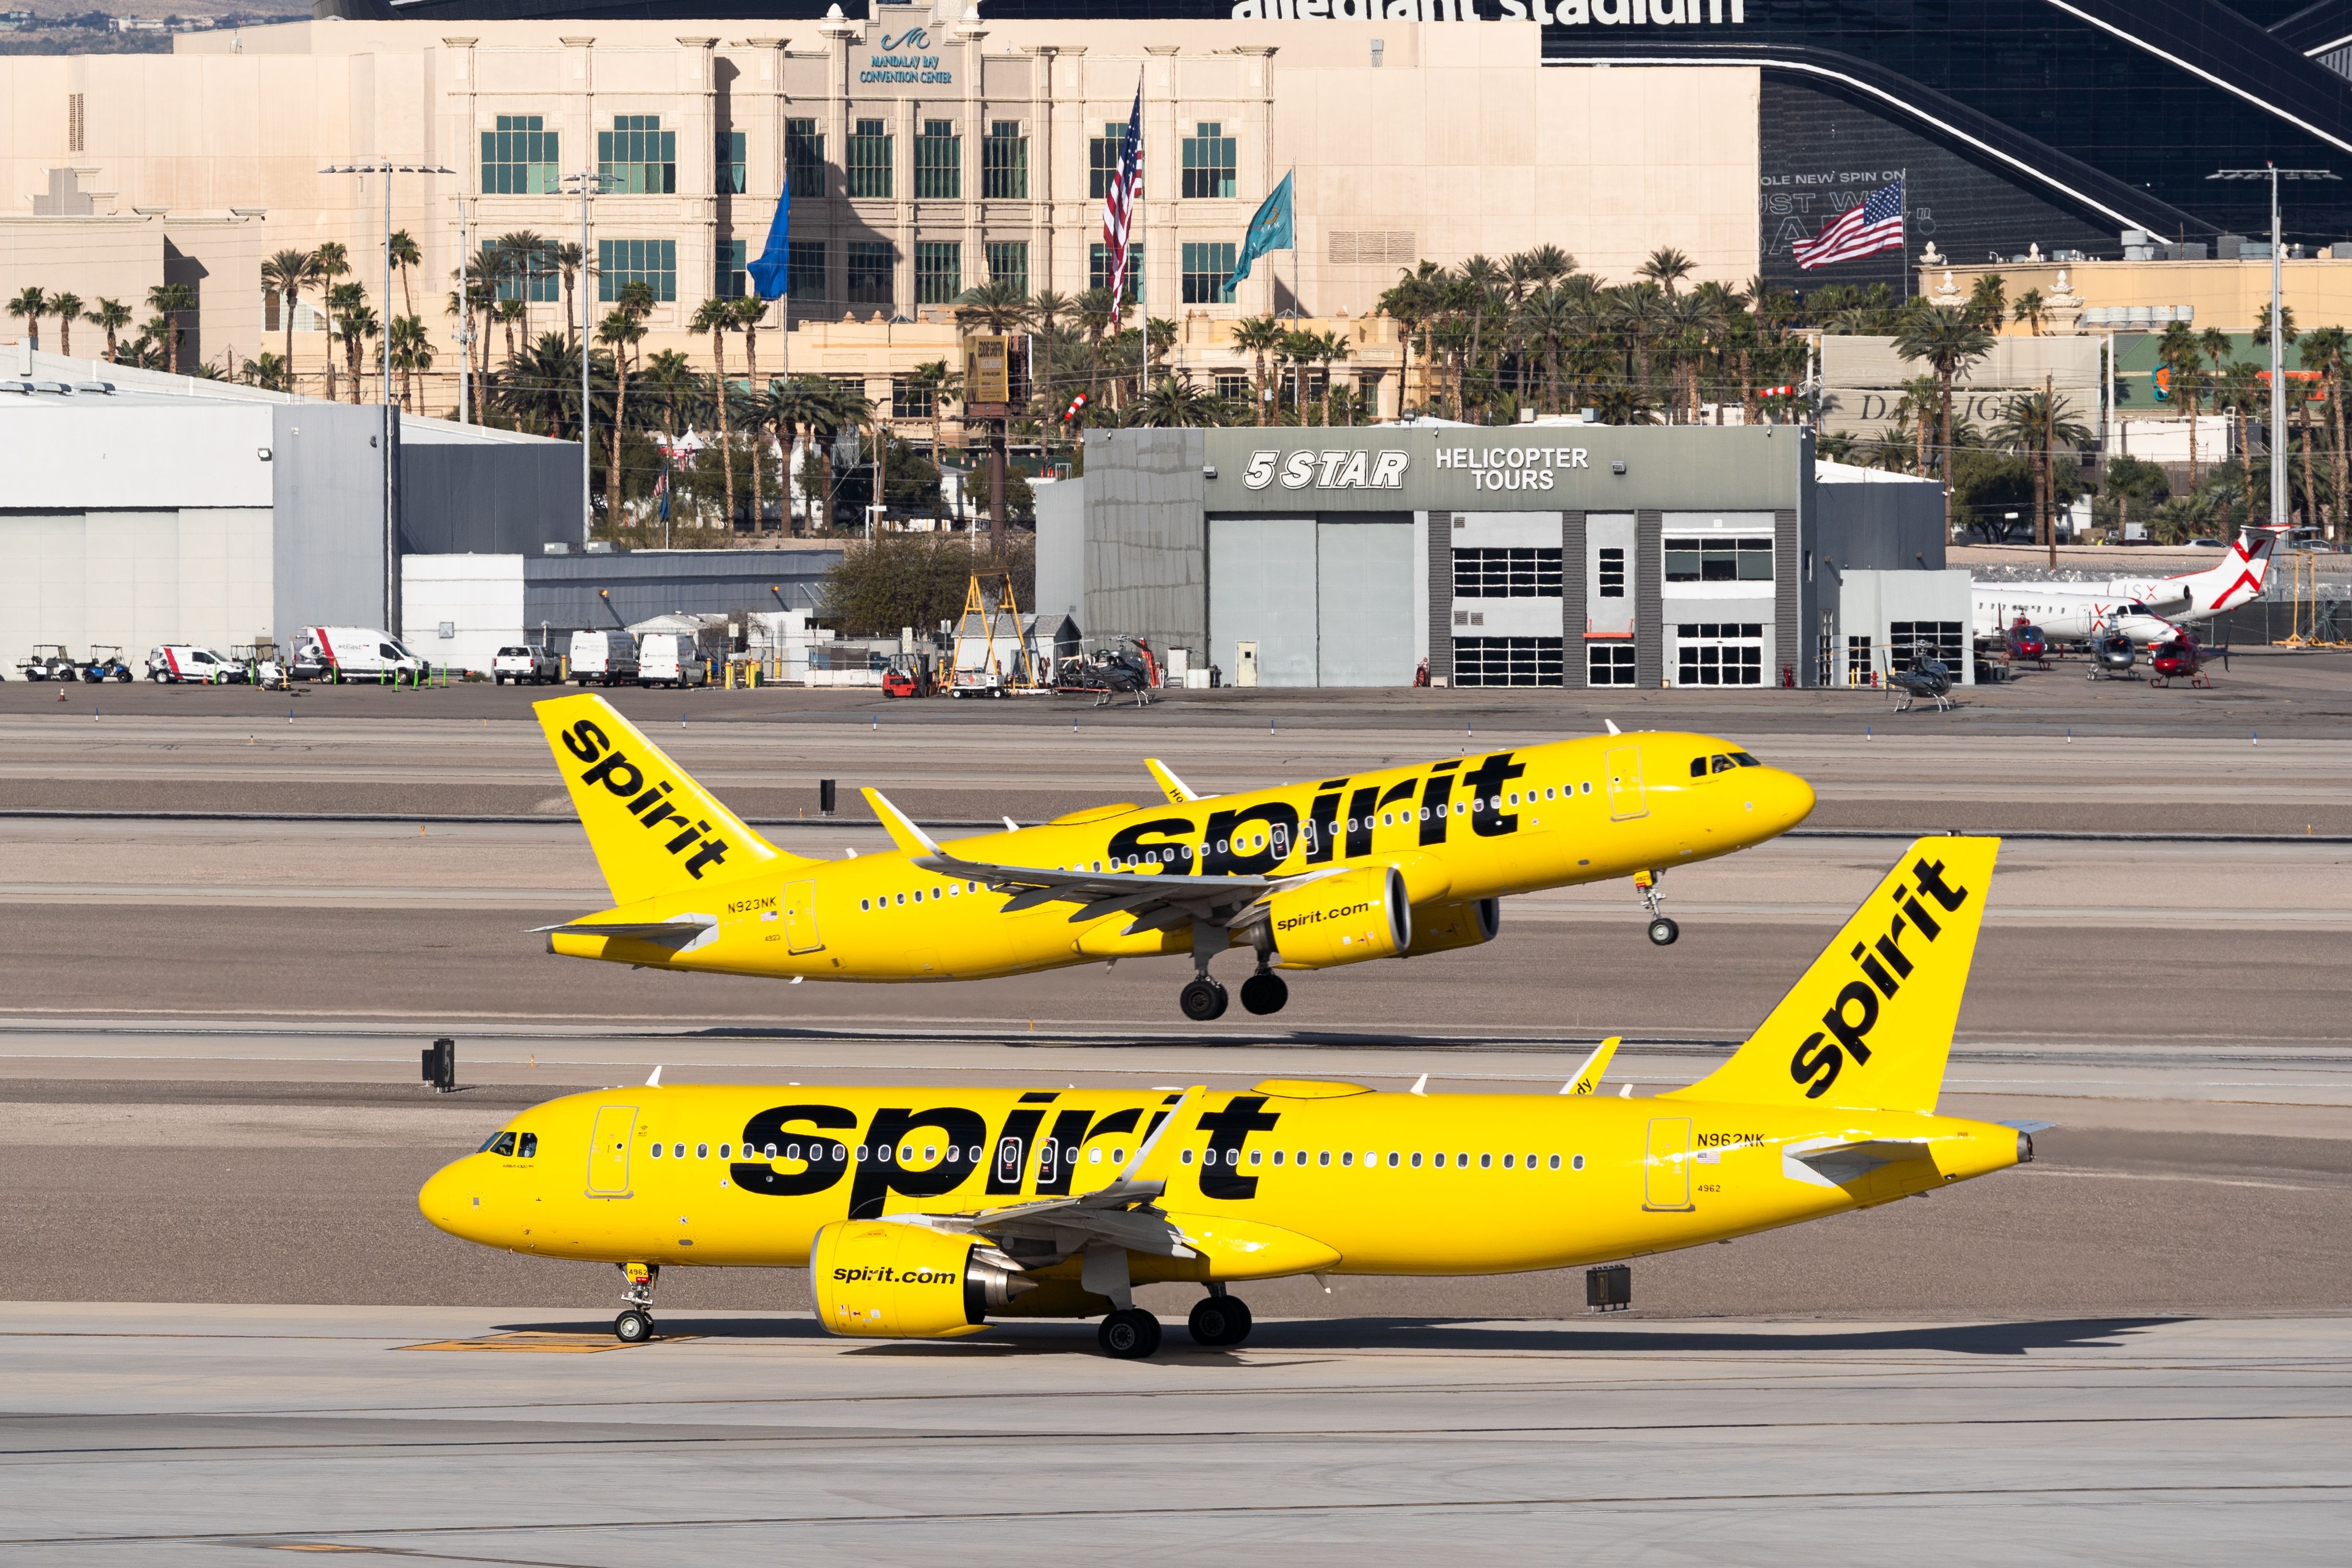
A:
x: 1550, y: 13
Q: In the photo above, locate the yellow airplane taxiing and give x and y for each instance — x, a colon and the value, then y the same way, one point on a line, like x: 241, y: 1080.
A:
x: 926, y: 1213
x: 1396, y: 863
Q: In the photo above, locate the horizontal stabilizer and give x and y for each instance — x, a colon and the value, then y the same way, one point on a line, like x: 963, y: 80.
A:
x: 1839, y: 1164
x: 684, y: 931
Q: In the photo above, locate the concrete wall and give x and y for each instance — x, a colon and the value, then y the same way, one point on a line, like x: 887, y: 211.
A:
x: 1892, y: 524
x: 330, y: 548
x: 479, y: 597
x: 498, y: 498
x: 1062, y: 549
x: 1867, y: 602
x: 1146, y: 538
x: 87, y: 451
x: 134, y: 578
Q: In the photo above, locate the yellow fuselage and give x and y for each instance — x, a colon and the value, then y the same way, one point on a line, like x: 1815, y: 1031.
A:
x: 1291, y: 1177
x: 1475, y: 826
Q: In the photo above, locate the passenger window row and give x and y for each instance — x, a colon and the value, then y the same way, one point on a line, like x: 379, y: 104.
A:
x: 1396, y: 1160
x: 939, y: 895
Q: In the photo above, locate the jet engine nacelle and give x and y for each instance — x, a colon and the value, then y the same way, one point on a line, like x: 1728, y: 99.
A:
x: 1346, y: 919
x: 1441, y: 928
x: 882, y: 1279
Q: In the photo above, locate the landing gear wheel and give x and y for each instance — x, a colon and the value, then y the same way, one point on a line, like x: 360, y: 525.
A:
x: 1129, y: 1334
x: 1265, y: 992
x: 1220, y: 1320
x: 1662, y: 932
x: 1202, y: 1000
x: 633, y: 1327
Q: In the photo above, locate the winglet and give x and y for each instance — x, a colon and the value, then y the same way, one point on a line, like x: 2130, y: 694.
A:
x: 1135, y: 1162
x: 901, y: 829
x: 1588, y: 1077
x: 1420, y: 1086
x: 655, y: 1081
x: 1177, y: 791
x: 1612, y: 726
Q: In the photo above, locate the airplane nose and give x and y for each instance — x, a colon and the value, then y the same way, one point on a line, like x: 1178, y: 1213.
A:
x: 444, y: 1200
x: 1796, y: 801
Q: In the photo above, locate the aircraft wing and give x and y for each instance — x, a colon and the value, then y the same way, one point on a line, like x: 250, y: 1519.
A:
x: 1121, y: 1214
x: 1156, y: 899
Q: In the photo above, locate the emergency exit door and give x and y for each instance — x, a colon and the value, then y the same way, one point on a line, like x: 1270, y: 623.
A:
x: 800, y: 918
x: 1666, y: 1176
x: 608, y: 1151
x: 1625, y: 798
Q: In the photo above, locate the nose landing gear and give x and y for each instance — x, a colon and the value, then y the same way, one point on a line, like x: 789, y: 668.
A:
x: 634, y: 1326
x: 1663, y: 930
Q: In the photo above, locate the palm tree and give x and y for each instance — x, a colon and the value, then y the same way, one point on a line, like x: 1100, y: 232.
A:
x: 810, y: 403
x: 1098, y: 315
x: 287, y: 274
x: 1256, y: 337
x: 540, y: 390
x: 358, y: 324
x: 569, y: 260
x: 110, y: 317
x: 412, y: 355
x: 1922, y: 396
x: 1329, y: 348
x: 519, y: 258
x: 1413, y: 303
x: 2241, y: 390
x: 623, y: 328
x: 2328, y: 351
x: 939, y: 383
x: 512, y: 313
x: 2032, y: 310
x: 1948, y: 342
x: 29, y: 306
x: 269, y: 371
x: 1046, y: 308
x: 406, y: 254
x: 168, y: 300
x: 1666, y: 266
x: 1548, y: 322
x: 2178, y: 351
x: 1174, y: 403
x: 1988, y: 302
x: 996, y: 306
x: 719, y: 318
x: 2038, y: 423
x: 65, y: 308
x: 329, y: 261
x: 1638, y: 309
x: 748, y: 312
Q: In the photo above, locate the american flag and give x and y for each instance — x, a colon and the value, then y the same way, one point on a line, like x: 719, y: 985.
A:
x: 1120, y: 199
x: 1866, y: 230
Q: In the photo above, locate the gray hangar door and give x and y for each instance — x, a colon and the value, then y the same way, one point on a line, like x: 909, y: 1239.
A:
x: 1257, y: 570
x: 1364, y: 603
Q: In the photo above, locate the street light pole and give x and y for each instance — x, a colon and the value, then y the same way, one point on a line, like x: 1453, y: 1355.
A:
x: 590, y: 184
x: 2274, y: 174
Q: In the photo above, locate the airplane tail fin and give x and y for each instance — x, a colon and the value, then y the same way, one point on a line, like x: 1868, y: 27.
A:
x: 2238, y: 579
x: 653, y: 829
x: 1870, y: 1025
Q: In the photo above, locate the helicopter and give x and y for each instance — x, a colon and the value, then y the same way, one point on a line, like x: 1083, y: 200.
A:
x: 2113, y: 653
x: 2026, y: 644
x: 1925, y: 679
x: 2183, y: 658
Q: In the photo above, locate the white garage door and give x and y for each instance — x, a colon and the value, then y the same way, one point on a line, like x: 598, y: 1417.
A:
x: 1364, y: 603
x: 1258, y: 571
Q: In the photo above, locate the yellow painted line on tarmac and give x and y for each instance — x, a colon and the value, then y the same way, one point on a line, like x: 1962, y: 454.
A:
x: 538, y: 1342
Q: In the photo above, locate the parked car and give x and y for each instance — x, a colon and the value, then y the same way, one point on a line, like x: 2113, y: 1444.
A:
x: 355, y: 653
x: 524, y: 666
x: 177, y: 663
x: 605, y: 659
x: 49, y: 662
x: 677, y: 659
x: 106, y: 663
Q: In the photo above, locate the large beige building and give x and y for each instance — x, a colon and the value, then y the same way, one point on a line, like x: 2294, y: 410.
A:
x: 927, y: 150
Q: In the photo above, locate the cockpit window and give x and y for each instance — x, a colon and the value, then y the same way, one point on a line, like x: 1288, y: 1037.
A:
x: 1745, y: 761
x: 489, y: 1143
x: 499, y: 1144
x: 1699, y: 767
x: 1720, y: 765
x: 529, y: 1147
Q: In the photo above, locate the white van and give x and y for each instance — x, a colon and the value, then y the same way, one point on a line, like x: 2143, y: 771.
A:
x: 174, y: 662
x: 605, y: 659
x: 355, y: 653
x: 674, y: 659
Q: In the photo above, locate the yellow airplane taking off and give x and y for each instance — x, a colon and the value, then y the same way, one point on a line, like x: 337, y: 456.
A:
x: 1391, y: 864
x: 924, y: 1213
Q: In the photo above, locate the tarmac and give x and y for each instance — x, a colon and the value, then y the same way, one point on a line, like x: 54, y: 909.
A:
x: 212, y: 1132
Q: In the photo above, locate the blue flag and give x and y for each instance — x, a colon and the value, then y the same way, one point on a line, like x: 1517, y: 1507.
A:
x: 1269, y: 230
x: 771, y: 272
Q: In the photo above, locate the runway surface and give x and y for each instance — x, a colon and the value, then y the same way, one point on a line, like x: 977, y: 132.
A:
x: 171, y: 1435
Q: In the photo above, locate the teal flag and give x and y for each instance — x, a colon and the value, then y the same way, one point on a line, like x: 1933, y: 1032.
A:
x: 1269, y: 230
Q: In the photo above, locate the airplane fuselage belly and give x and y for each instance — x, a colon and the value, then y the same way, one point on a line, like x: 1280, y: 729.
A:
x: 1362, y: 1182
x: 1476, y: 827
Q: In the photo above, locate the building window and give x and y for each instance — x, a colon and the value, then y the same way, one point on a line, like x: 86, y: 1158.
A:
x: 1099, y: 268
x: 731, y: 164
x: 872, y: 263
x: 1209, y: 162
x: 534, y: 278
x: 938, y: 163
x: 520, y: 157
x: 1908, y: 641
x: 804, y: 158
x: 1234, y: 388
x: 804, y: 268
x: 1102, y: 160
x: 1608, y: 664
x: 1008, y: 262
x: 869, y: 160
x: 911, y: 399
x: 1613, y: 573
x: 637, y: 156
x: 1719, y: 560
x: 75, y: 125
x: 1730, y: 653
x: 732, y: 282
x: 1507, y: 661
x: 1860, y: 669
x: 1515, y: 574
x: 1004, y: 163
x: 1206, y: 269
x: 621, y: 262
x: 938, y: 271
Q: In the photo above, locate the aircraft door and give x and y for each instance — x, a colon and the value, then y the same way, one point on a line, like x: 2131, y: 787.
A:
x: 1626, y: 800
x: 608, y: 1151
x: 800, y: 918
x: 1666, y: 1176
x: 1008, y: 1163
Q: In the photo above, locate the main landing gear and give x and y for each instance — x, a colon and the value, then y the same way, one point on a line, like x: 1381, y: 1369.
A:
x: 1265, y: 992
x: 634, y: 1326
x: 1204, y: 999
x: 1662, y: 931
x: 1219, y: 1322
x: 1220, y: 1319
x: 1129, y: 1335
